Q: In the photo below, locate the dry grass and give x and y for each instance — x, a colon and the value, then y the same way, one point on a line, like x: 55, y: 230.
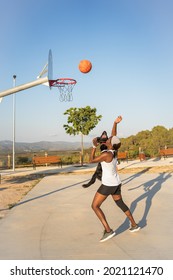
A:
x: 13, y: 188
x: 154, y: 169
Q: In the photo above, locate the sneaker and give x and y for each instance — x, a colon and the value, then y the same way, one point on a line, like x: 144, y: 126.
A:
x: 135, y: 228
x: 107, y: 235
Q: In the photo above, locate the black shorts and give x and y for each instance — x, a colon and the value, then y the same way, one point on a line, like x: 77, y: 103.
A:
x: 105, y: 190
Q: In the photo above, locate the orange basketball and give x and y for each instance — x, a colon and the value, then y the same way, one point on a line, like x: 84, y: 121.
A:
x: 85, y: 66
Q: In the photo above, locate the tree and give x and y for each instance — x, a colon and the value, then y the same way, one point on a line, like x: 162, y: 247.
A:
x: 149, y: 141
x: 83, y: 120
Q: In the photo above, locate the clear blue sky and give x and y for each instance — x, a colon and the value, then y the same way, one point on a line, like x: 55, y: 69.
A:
x: 129, y: 42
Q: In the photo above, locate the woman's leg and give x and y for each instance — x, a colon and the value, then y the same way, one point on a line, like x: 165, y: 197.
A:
x: 120, y: 203
x: 97, y: 202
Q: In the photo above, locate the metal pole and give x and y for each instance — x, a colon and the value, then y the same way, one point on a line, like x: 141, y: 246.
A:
x: 24, y: 86
x: 14, y: 117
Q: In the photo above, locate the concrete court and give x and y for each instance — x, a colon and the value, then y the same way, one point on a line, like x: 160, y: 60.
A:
x: 55, y: 221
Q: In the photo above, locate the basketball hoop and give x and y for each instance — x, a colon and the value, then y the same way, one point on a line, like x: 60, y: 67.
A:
x: 65, y: 86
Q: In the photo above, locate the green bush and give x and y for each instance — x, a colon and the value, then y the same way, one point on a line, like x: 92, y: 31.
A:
x: 23, y: 160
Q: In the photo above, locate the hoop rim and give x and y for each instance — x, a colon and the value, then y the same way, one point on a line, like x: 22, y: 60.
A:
x: 62, y: 81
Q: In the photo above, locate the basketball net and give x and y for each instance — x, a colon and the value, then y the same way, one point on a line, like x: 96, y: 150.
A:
x: 65, y: 86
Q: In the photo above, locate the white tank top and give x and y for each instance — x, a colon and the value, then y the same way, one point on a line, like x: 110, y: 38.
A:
x: 110, y: 176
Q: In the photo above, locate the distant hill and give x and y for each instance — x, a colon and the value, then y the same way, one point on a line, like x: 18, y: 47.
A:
x: 7, y: 146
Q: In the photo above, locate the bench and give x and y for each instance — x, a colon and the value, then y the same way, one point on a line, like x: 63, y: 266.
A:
x: 166, y: 152
x: 38, y: 160
x: 122, y: 156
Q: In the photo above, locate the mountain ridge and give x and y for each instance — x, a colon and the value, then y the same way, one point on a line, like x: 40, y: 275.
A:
x: 7, y: 146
